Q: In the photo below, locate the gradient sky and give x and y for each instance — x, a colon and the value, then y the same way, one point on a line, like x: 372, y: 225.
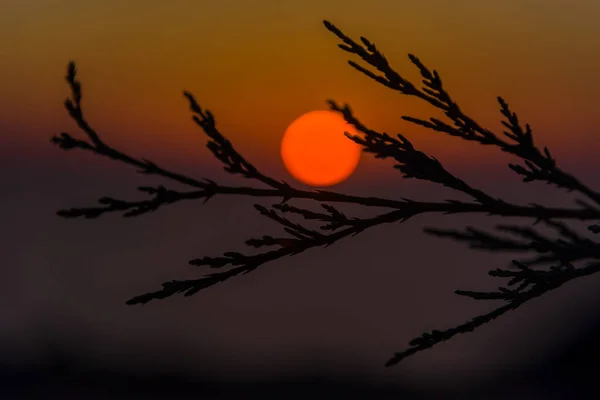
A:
x: 258, y: 65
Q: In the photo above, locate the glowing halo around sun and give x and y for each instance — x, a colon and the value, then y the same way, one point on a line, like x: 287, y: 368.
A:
x: 315, y: 150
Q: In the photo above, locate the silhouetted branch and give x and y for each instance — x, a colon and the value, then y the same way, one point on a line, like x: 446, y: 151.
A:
x: 411, y: 162
x: 218, y: 145
x: 540, y: 166
x: 524, y: 281
x: 570, y: 248
x: 301, y: 239
x: 541, y: 282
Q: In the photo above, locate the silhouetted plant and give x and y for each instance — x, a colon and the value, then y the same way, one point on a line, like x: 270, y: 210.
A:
x: 554, y: 265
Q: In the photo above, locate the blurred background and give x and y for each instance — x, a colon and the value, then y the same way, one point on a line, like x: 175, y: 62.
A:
x: 329, y: 317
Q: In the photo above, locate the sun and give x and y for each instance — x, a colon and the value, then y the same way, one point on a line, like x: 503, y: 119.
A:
x: 315, y: 150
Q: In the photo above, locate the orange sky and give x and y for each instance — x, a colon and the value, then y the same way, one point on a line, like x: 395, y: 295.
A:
x: 260, y: 64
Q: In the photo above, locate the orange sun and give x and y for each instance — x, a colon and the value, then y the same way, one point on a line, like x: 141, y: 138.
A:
x: 316, y: 151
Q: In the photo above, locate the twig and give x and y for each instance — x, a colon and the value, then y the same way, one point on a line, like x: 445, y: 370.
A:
x: 540, y: 165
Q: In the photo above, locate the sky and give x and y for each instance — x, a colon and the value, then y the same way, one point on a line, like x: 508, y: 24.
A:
x: 258, y: 65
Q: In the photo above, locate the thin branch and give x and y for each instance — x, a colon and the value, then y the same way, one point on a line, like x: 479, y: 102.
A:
x: 411, y: 162
x: 570, y: 248
x: 302, y: 239
x: 428, y: 340
x: 218, y: 145
x: 541, y: 165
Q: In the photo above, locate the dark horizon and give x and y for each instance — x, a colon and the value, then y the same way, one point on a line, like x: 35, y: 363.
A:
x: 569, y: 373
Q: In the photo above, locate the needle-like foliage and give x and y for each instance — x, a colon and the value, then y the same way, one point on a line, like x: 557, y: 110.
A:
x: 557, y: 259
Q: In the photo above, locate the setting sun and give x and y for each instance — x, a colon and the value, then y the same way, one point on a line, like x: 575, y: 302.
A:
x: 316, y: 151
